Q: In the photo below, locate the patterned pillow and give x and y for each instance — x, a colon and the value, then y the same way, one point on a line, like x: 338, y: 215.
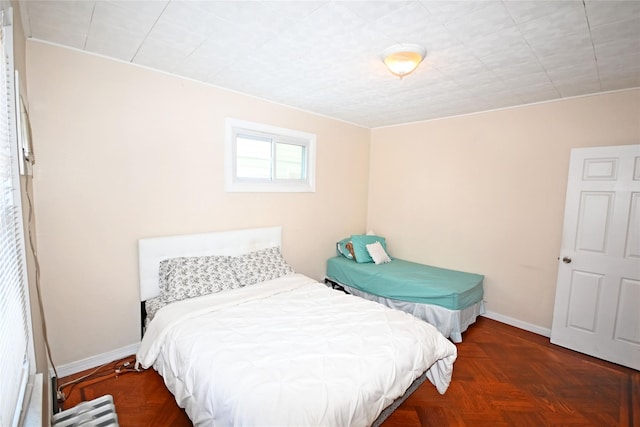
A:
x: 259, y: 266
x: 152, y: 305
x: 182, y: 278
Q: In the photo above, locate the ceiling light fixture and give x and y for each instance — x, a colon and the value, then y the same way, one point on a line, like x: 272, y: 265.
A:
x: 402, y: 59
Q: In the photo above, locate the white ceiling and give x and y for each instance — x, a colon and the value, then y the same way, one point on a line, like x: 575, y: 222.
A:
x: 324, y: 56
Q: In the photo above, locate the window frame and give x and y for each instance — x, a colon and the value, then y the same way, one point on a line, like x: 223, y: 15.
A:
x: 26, y: 385
x: 233, y: 183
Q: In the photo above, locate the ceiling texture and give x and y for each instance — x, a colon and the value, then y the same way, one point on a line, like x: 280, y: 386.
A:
x: 324, y: 56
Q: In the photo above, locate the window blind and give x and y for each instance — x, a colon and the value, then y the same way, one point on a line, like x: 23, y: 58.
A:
x: 15, y: 352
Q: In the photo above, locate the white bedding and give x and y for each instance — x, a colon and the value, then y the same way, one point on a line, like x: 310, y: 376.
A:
x: 291, y: 351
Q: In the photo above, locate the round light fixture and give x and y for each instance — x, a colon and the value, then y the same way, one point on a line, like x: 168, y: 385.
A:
x: 402, y: 59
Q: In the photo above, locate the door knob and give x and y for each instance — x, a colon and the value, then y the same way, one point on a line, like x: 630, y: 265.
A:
x: 566, y: 260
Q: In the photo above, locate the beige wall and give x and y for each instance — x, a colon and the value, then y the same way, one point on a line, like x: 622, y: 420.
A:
x: 124, y: 152
x: 485, y: 192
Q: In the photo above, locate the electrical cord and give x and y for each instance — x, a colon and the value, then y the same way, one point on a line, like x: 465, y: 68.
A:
x: 118, y: 367
x: 96, y: 376
x: 43, y: 322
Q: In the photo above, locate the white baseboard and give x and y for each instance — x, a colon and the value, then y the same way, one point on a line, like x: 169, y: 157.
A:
x: 95, y: 361
x: 518, y: 323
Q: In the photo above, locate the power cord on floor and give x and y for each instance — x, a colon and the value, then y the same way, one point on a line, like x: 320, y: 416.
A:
x: 118, y: 367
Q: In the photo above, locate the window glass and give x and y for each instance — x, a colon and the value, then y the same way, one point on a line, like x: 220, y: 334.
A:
x: 263, y: 158
x: 289, y: 161
x: 253, y: 157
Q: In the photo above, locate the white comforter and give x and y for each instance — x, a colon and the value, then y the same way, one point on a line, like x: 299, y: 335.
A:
x: 291, y: 352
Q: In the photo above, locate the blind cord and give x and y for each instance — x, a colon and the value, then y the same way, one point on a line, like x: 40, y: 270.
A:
x: 30, y: 219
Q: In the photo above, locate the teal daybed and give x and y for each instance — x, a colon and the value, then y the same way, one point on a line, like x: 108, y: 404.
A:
x: 448, y: 299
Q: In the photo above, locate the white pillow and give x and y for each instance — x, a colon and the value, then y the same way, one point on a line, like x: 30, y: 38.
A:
x: 377, y: 253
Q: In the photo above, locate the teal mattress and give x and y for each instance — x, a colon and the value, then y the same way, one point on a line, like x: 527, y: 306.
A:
x: 409, y: 281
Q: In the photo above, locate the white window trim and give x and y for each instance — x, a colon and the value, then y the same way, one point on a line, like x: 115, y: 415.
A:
x: 232, y: 184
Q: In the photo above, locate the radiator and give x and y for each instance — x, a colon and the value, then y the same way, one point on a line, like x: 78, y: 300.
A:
x: 100, y: 412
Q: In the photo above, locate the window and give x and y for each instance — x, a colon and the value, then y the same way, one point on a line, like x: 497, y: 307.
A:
x: 263, y: 158
x: 17, y: 363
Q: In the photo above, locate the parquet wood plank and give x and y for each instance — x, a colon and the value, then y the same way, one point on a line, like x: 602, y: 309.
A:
x: 504, y: 376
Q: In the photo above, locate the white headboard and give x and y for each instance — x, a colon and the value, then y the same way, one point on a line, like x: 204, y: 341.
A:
x: 231, y: 243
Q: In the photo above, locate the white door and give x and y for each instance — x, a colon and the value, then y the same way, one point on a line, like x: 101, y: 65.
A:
x: 597, y: 307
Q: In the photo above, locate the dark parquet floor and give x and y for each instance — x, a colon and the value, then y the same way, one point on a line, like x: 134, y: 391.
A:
x: 504, y: 376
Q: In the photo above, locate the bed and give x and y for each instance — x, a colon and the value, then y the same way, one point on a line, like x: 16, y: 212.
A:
x: 278, y: 351
x: 448, y: 299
